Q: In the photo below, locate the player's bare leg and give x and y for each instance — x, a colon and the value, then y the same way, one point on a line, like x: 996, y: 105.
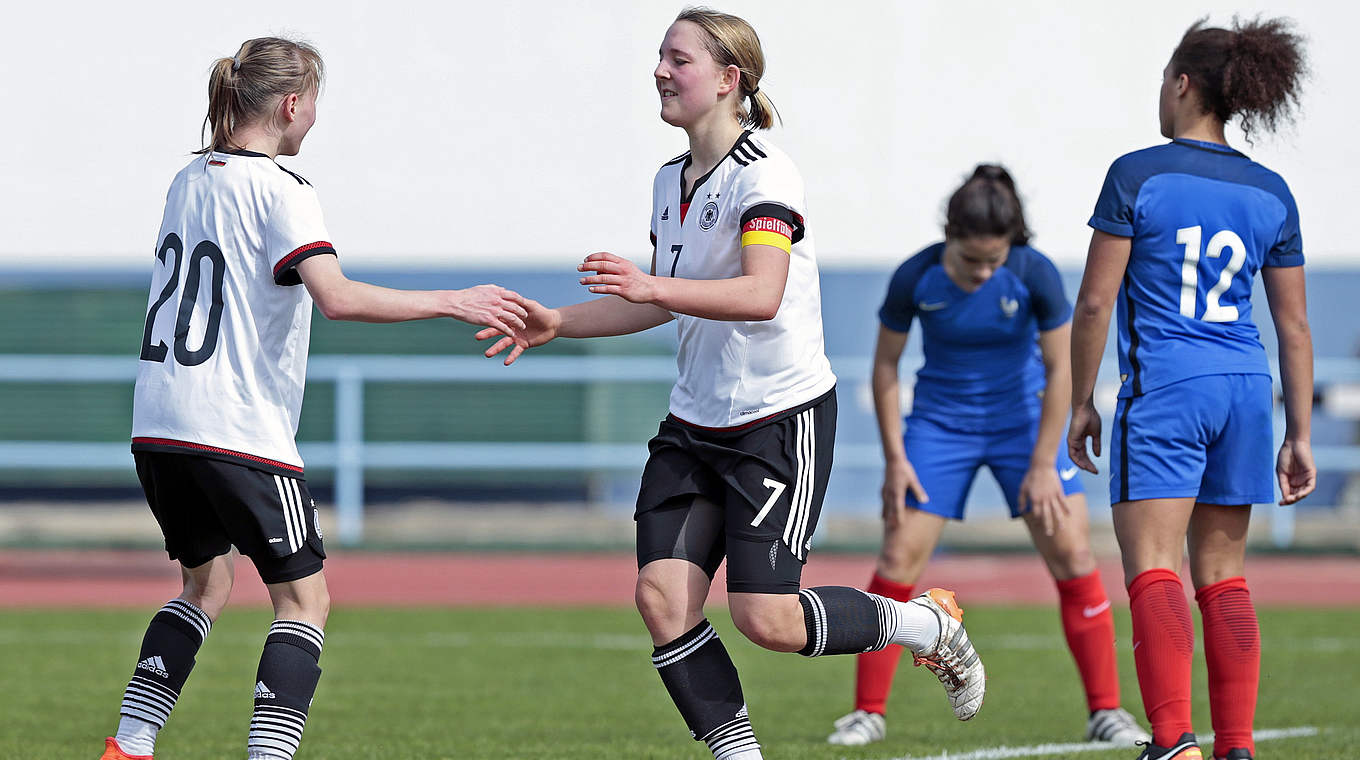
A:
x: 690, y: 658
x: 1088, y: 622
x: 167, y: 656
x: 909, y: 538
x: 1066, y: 553
x: 1151, y: 535
x: 289, y: 670
x: 1217, y: 540
x: 1232, y: 638
x: 670, y: 596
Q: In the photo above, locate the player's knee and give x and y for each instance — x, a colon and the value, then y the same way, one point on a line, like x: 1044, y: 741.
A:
x: 316, y: 606
x: 897, y: 561
x: 212, y: 601
x: 209, y: 595
x: 771, y: 630
x: 660, y: 610
x: 891, y: 562
x: 1074, y: 563
x: 1208, y: 572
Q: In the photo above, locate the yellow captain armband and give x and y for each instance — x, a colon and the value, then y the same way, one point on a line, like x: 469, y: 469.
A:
x: 765, y: 230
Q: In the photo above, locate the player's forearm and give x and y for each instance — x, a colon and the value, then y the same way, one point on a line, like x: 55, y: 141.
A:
x: 746, y: 298
x: 1296, y: 379
x: 607, y: 316
x: 888, y: 409
x: 353, y: 301
x: 1090, y: 324
x: 1052, y: 416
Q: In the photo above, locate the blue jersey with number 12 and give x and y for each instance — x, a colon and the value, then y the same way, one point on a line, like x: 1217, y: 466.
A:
x: 1203, y: 219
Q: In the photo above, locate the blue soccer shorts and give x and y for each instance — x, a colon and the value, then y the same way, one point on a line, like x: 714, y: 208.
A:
x: 947, y: 460
x: 1207, y: 438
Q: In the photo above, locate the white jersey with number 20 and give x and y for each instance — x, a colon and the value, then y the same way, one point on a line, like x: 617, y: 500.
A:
x: 224, y: 346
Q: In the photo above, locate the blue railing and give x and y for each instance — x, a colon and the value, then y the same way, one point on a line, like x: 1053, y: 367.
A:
x: 349, y: 455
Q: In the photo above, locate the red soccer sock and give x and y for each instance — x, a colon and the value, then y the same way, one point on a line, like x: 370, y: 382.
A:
x: 1163, y: 644
x: 1089, y: 627
x: 1232, y: 650
x: 874, y: 671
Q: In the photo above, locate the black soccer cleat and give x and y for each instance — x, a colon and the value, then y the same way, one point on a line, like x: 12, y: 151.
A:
x: 1185, y: 748
x: 1239, y: 753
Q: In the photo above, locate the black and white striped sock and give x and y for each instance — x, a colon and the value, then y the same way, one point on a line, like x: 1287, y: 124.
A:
x: 734, y: 741
x: 167, y: 656
x: 844, y: 620
x: 703, y: 684
x: 284, y: 686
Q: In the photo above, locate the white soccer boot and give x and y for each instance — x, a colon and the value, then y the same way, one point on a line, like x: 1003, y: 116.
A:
x: 859, y: 728
x: 1116, y: 726
x: 953, y: 659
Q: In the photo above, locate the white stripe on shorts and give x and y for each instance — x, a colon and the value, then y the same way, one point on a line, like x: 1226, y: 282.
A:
x: 807, y: 458
x: 797, y: 497
x: 301, y: 511
x: 285, y: 503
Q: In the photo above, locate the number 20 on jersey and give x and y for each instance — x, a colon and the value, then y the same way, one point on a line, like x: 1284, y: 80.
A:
x: 206, y: 250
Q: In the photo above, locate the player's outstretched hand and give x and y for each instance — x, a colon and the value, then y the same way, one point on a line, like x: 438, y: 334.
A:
x: 539, y: 326
x: 899, y: 477
x: 1041, y: 493
x: 1295, y: 469
x: 489, y: 306
x: 615, y: 275
x: 1085, y: 424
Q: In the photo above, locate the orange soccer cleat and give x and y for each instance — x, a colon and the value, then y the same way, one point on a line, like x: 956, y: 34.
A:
x: 1185, y: 748
x: 114, y: 752
x: 953, y: 659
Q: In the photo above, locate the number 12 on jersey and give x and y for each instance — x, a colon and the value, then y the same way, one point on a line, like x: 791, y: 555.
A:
x: 1190, y: 237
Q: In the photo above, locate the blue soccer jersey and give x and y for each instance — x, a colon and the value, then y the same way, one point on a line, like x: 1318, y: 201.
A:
x: 1203, y: 219
x: 983, y: 371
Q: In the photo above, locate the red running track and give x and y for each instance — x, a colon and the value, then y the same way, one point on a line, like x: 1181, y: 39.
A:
x: 32, y: 578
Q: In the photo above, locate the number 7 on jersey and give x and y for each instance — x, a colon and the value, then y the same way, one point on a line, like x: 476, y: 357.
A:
x: 776, y: 489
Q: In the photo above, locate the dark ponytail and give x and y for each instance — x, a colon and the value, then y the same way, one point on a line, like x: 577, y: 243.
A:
x: 987, y: 205
x: 1254, y: 70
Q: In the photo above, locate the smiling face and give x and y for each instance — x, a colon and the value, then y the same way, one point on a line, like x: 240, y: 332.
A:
x: 688, y: 80
x: 971, y: 261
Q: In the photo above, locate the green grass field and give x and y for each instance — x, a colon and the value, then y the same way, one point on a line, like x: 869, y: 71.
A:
x: 525, y: 683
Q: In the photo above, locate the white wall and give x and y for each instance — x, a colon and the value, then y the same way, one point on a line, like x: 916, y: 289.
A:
x: 485, y: 134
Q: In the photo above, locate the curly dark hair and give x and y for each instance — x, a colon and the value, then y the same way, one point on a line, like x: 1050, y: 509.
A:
x: 986, y: 205
x: 1254, y: 70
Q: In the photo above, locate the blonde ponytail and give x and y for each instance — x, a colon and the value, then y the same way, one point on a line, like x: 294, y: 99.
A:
x: 733, y: 42
x: 246, y: 86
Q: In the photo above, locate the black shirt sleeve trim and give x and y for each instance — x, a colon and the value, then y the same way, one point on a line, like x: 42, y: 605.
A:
x: 285, y: 272
x: 776, y: 211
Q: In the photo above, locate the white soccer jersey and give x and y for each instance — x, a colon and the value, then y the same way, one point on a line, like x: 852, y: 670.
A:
x: 735, y: 373
x: 224, y: 350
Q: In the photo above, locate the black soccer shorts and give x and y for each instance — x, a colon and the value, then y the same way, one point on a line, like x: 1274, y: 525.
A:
x: 204, y: 506
x: 751, y: 494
